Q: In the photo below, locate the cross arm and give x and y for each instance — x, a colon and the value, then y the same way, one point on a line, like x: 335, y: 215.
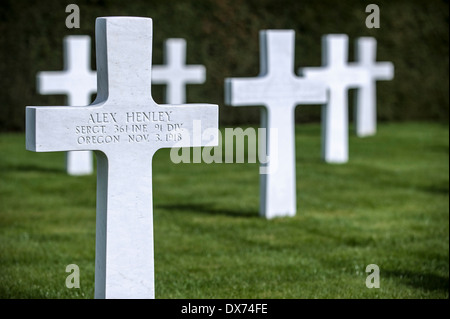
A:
x: 245, y: 91
x: 51, y: 82
x: 384, y: 71
x: 48, y: 130
x: 189, y: 125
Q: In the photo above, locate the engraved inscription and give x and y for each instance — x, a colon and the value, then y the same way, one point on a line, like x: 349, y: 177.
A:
x: 129, y: 127
x: 102, y: 118
x: 140, y: 117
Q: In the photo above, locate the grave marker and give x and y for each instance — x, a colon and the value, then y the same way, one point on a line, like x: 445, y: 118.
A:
x: 280, y: 91
x: 125, y: 127
x: 366, y: 98
x: 78, y: 82
x: 339, y: 76
x: 175, y: 73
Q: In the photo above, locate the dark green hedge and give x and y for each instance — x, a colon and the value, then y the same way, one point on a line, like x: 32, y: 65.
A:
x: 223, y: 35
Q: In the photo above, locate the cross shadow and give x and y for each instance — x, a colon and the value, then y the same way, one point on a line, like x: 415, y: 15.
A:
x: 208, y: 209
x: 441, y: 189
x: 425, y: 281
x: 35, y: 168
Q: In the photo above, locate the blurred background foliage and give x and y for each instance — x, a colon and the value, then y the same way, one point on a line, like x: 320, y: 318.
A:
x: 223, y: 35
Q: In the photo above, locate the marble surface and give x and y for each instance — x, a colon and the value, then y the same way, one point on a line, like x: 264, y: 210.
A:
x: 175, y: 74
x: 78, y: 82
x: 125, y: 127
x: 279, y: 90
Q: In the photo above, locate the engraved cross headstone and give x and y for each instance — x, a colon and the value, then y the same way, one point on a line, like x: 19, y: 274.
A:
x: 125, y: 127
x: 366, y: 98
x: 339, y: 77
x: 175, y: 73
x: 78, y: 82
x: 280, y: 91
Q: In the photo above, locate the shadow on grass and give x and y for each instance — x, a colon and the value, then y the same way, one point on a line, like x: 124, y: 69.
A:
x: 429, y: 282
x: 208, y: 209
x: 438, y: 189
x: 34, y: 168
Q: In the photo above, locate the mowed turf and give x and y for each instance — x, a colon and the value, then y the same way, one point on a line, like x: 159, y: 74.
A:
x: 388, y: 206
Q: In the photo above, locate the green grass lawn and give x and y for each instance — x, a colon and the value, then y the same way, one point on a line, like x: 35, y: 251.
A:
x: 388, y: 206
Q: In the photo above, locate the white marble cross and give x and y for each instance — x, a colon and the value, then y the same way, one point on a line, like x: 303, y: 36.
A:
x: 78, y: 82
x: 175, y: 73
x: 366, y: 98
x: 280, y: 91
x: 339, y: 76
x: 125, y: 127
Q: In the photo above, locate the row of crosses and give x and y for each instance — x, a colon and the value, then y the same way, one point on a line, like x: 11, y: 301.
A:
x: 79, y: 82
x: 124, y: 265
